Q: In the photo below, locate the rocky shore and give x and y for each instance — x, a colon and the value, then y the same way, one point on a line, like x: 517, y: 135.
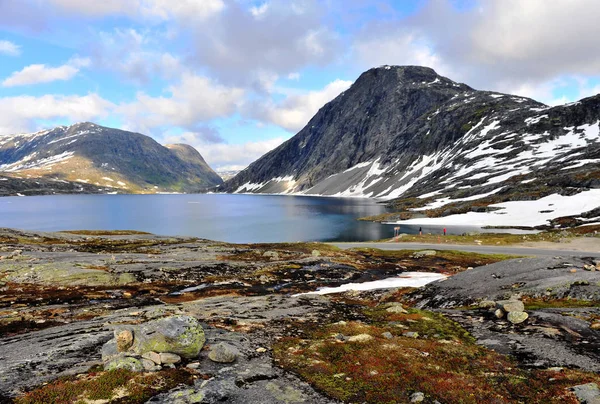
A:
x: 127, y: 317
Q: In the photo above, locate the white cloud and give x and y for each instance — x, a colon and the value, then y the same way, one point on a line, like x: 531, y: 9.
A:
x: 297, y: 109
x: 40, y: 73
x: 223, y: 156
x: 155, y: 9
x: 194, y: 99
x: 18, y: 114
x: 294, y: 76
x: 9, y: 48
x: 259, y: 11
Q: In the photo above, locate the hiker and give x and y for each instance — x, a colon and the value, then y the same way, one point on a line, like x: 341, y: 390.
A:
x: 444, y: 231
x: 420, y: 231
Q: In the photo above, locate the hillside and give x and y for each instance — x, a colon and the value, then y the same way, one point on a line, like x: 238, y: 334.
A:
x: 93, y: 158
x: 434, y: 147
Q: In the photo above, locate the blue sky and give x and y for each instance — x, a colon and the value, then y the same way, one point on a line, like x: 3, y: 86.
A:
x: 236, y: 78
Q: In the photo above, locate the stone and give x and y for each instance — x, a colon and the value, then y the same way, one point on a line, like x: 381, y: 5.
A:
x: 396, y: 308
x: 589, y: 267
x: 273, y: 255
x: 360, y: 338
x: 109, y: 351
x: 223, y: 353
x: 417, y: 397
x: 124, y: 362
x: 169, y: 358
x: 316, y: 253
x: 124, y: 340
x: 185, y: 396
x: 261, y: 350
x: 587, y: 393
x: 182, y: 335
x: 487, y: 304
x: 517, y: 317
x: 595, y: 326
x: 149, y: 365
x: 499, y: 313
x: 510, y: 305
x: 387, y: 335
x: 153, y: 356
x: 424, y: 253
x: 410, y: 334
x: 193, y: 365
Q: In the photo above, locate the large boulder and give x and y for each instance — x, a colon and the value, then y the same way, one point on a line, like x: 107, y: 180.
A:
x: 510, y: 305
x: 181, y: 335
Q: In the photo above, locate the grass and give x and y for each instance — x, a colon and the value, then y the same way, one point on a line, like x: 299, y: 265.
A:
x: 446, y: 366
x: 122, y: 385
x: 549, y: 303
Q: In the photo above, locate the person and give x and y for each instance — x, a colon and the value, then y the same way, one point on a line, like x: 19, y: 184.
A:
x: 420, y: 231
x: 444, y: 231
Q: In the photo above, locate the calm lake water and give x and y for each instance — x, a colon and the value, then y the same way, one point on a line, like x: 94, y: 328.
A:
x: 232, y: 218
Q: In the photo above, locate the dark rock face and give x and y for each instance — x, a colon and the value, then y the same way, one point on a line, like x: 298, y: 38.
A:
x: 407, y: 132
x: 91, y: 154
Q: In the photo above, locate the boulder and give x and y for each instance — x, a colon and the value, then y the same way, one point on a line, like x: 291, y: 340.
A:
x: 223, y: 353
x: 517, y: 317
x: 417, y: 397
x: 587, y: 393
x: 153, y: 356
x: 387, y: 335
x: 360, y: 338
x: 124, y: 340
x: 181, y: 335
x: 396, y: 308
x: 316, y: 253
x: 168, y: 358
x: 487, y: 304
x: 510, y: 305
x: 124, y: 362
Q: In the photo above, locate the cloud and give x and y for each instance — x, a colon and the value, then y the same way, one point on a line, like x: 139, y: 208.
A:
x: 194, y: 99
x: 496, y: 44
x: 202, y: 135
x: 9, y: 48
x: 240, y: 44
x: 154, y: 9
x: 40, y: 73
x: 223, y: 156
x: 18, y: 114
x: 294, y: 112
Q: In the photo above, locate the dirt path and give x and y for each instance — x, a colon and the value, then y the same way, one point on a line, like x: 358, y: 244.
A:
x: 589, y: 244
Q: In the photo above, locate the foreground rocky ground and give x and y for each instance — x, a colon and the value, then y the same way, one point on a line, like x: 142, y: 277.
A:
x: 73, y: 305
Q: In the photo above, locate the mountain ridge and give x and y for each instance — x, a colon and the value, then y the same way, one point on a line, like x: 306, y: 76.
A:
x: 112, y: 160
x: 404, y: 133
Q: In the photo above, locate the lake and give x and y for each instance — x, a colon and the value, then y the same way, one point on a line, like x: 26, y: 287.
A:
x: 224, y: 217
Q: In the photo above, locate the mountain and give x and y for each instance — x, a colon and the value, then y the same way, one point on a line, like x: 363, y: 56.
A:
x: 91, y: 158
x: 434, y: 147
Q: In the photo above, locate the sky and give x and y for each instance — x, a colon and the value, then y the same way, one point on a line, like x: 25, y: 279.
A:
x: 236, y: 78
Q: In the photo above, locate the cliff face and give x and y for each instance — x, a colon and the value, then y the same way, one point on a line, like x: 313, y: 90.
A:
x: 106, y: 159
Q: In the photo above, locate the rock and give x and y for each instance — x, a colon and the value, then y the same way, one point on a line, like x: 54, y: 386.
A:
x: 510, y: 305
x: 186, y: 396
x: 261, y: 350
x: 124, y: 362
x: 410, y: 334
x: 169, y: 358
x: 517, y: 317
x: 360, y: 338
x: 487, y: 304
x: 396, y: 308
x: 274, y: 255
x: 387, y: 335
x: 595, y: 326
x: 316, y: 253
x: 587, y: 393
x: 499, y: 313
x: 417, y: 397
x: 589, y: 267
x: 181, y: 335
x: 153, y: 356
x: 124, y: 340
x: 340, y: 337
x: 193, y: 365
x: 109, y: 351
x: 424, y: 253
x: 150, y: 366
x: 223, y: 353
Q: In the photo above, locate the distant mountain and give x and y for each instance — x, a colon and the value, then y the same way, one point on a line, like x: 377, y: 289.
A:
x: 407, y: 134
x: 94, y: 158
x: 227, y: 174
